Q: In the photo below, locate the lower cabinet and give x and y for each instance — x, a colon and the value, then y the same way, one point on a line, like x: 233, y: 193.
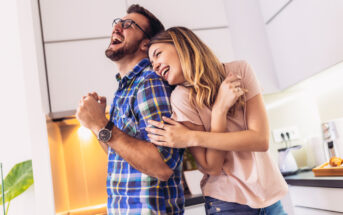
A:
x: 195, y: 210
x: 312, y: 211
x: 316, y: 200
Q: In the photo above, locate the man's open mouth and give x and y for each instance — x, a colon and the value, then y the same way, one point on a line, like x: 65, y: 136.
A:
x: 117, y: 40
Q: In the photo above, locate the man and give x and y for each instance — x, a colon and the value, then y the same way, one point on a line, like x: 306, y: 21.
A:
x: 142, y: 178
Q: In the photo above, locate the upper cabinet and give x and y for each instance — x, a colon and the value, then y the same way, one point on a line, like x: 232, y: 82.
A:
x: 76, y: 68
x: 76, y: 34
x: 79, y: 19
x: 219, y: 41
x: 250, y: 41
x: 306, y: 38
x: 271, y: 8
x: 193, y: 14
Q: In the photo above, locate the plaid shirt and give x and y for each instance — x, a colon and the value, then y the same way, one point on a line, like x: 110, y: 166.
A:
x: 142, y: 95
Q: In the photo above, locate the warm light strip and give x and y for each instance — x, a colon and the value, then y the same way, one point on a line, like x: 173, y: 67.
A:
x: 85, y: 209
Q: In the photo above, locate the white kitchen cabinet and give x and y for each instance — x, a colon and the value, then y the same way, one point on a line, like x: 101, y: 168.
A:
x: 316, y: 198
x: 306, y: 38
x: 250, y: 42
x: 312, y: 211
x: 195, y: 210
x: 193, y: 14
x: 78, y: 19
x: 219, y: 41
x: 270, y: 8
x: 76, y: 68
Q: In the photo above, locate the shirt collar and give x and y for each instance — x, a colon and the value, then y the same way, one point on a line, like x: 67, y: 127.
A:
x: 133, y: 73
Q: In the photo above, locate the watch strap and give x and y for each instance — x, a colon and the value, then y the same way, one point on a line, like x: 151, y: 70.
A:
x: 109, y: 125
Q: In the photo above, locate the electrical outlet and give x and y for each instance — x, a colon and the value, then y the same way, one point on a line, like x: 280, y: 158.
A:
x: 292, y: 131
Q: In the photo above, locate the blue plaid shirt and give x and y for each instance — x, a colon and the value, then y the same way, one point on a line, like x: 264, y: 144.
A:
x: 142, y: 95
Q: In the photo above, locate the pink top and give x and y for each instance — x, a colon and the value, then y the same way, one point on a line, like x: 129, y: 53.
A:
x: 249, y: 178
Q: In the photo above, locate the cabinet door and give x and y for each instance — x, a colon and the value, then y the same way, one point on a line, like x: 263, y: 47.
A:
x: 306, y: 38
x: 193, y: 14
x: 195, y: 210
x: 219, y: 41
x: 270, y: 8
x: 312, y: 211
x: 316, y: 197
x: 76, y: 68
x: 250, y: 42
x: 77, y: 19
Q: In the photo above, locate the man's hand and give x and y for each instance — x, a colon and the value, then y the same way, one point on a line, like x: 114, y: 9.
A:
x: 91, y: 112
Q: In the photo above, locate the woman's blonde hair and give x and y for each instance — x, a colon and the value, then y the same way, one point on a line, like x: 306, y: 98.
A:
x: 202, y: 70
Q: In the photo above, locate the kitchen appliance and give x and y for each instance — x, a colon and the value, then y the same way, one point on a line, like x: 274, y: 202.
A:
x: 287, y: 163
x: 333, y: 138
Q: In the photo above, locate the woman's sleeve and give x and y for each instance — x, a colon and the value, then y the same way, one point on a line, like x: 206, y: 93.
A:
x: 249, y: 80
x: 183, y: 110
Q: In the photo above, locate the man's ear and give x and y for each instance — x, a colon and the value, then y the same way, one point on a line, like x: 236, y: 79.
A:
x: 144, y: 45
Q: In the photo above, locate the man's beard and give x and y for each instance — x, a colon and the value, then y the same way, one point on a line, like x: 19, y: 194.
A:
x: 118, y: 54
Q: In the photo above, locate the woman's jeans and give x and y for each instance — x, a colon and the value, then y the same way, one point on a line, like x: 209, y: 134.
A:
x: 219, y: 207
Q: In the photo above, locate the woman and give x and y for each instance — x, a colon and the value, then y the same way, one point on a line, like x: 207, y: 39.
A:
x: 223, y: 121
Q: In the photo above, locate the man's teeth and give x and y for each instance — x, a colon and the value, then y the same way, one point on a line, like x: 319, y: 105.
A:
x: 116, y: 40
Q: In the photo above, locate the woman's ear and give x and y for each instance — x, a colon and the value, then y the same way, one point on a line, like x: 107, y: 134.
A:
x: 144, y: 45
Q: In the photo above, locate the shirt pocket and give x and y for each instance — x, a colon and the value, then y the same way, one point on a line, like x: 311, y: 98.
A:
x: 128, y: 121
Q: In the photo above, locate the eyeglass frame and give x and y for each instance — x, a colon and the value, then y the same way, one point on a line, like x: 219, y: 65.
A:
x: 122, y: 21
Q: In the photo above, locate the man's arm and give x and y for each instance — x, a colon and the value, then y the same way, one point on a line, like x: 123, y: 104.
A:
x: 142, y: 155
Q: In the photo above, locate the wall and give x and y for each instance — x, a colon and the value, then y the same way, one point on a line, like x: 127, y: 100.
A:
x: 306, y: 105
x: 13, y: 114
x: 23, y: 129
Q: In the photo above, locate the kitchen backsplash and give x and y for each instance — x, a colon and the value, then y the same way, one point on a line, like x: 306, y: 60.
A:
x: 306, y: 105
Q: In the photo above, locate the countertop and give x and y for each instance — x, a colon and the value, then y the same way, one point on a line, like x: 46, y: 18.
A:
x: 308, y: 179
x: 191, y: 200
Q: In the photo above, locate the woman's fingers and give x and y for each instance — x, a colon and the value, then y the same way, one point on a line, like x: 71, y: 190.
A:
x: 155, y: 130
x: 156, y: 138
x: 233, y: 77
x: 236, y: 84
x: 156, y: 124
x: 159, y: 143
x: 169, y: 121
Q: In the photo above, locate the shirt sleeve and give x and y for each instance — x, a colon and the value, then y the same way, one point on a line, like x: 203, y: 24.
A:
x: 249, y: 80
x: 183, y: 110
x: 153, y: 103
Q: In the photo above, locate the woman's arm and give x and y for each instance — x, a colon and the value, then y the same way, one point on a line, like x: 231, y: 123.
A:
x: 210, y: 161
x: 255, y: 138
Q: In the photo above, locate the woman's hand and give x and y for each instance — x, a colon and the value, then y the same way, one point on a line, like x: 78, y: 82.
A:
x: 173, y: 134
x: 230, y: 90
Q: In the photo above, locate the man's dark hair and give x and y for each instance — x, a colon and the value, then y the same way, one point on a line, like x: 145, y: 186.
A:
x: 155, y: 26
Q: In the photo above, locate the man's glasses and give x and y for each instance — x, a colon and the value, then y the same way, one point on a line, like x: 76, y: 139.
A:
x: 126, y: 23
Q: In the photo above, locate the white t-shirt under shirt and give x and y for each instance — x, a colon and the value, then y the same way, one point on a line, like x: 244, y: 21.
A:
x: 249, y: 178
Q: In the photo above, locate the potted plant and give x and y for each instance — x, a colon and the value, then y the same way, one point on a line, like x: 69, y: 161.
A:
x: 19, y: 179
x: 191, y: 173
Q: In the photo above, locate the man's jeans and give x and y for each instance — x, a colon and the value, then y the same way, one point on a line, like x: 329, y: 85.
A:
x: 218, y: 207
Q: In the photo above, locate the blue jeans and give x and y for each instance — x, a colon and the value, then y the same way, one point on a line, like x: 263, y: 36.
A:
x: 219, y: 207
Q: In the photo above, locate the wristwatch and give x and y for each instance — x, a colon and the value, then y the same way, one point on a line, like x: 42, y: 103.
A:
x: 105, y: 134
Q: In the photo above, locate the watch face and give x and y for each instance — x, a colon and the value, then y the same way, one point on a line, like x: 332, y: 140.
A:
x: 104, y: 135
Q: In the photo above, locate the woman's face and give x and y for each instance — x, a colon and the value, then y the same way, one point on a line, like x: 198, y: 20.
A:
x: 166, y: 63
